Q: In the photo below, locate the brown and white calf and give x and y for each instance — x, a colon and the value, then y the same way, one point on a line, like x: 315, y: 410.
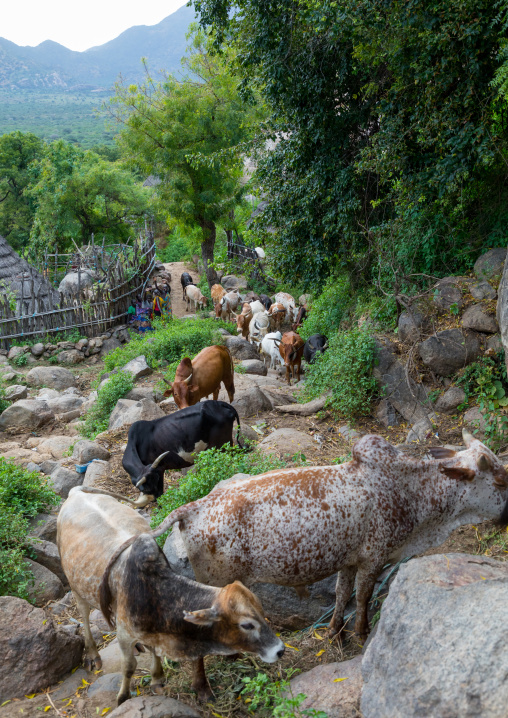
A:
x: 243, y: 320
x: 193, y: 295
x: 291, y: 350
x: 217, y: 292
x: 293, y: 527
x: 288, y: 302
x: 113, y: 564
x: 229, y: 304
x: 277, y: 314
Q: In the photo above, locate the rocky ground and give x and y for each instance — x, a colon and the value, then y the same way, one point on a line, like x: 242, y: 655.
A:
x: 40, y: 431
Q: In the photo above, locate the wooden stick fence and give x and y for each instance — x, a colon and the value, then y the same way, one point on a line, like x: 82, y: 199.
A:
x: 119, y: 273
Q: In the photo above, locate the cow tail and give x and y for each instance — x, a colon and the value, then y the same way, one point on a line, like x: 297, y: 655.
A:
x: 103, y: 492
x: 175, y: 516
x: 238, y: 430
x: 105, y: 595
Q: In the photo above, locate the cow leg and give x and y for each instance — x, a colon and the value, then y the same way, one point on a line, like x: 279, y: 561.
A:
x: 200, y: 681
x: 216, y: 393
x: 92, y: 659
x: 230, y: 388
x: 343, y: 590
x: 126, y: 643
x: 364, y: 587
x: 156, y: 672
x: 288, y: 374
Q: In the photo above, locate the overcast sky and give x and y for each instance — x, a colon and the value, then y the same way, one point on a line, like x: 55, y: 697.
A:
x: 78, y: 25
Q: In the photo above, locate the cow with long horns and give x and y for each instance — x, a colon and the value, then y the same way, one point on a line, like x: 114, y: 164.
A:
x: 171, y: 443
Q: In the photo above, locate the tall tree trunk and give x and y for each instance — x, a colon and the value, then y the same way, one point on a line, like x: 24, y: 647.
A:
x: 207, y: 247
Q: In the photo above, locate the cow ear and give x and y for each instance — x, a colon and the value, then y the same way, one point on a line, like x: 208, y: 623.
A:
x: 204, y: 617
x: 457, y: 473
x: 169, y: 391
x: 484, y: 463
x: 439, y: 452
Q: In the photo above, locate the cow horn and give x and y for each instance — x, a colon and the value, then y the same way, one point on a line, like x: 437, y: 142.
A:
x: 311, y: 345
x: 467, y: 437
x: 159, y: 459
x: 141, y: 482
x: 325, y: 346
x: 187, y: 381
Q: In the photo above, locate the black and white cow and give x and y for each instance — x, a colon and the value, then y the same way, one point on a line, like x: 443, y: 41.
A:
x: 315, y: 344
x: 171, y: 442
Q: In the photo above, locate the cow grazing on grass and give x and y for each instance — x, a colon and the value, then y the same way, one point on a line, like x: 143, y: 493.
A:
x: 301, y: 314
x: 194, y: 296
x: 171, y: 442
x: 276, y: 314
x: 315, y: 345
x: 137, y: 591
x: 381, y: 506
x: 186, y: 280
x: 217, y: 293
x: 291, y: 350
x: 203, y: 376
x: 270, y: 349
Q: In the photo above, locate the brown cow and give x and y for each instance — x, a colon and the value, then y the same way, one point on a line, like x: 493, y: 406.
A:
x: 277, y: 314
x: 243, y: 320
x: 203, y: 376
x: 300, y: 316
x: 113, y: 564
x: 291, y: 350
x: 217, y: 293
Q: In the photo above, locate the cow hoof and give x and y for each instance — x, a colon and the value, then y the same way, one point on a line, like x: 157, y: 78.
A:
x: 92, y: 663
x: 158, y: 689
x: 122, y: 697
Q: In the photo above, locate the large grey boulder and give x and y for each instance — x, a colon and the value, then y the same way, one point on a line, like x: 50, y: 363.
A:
x: 26, y: 414
x: 410, y: 326
x: 478, y: 318
x: 16, y: 392
x: 288, y: 442
x: 46, y: 587
x: 15, y: 352
x: 52, y: 377
x: 46, y: 554
x: 144, y: 392
x: 95, y: 472
x: 65, y: 402
x: 43, y: 526
x: 448, y: 351
x: 252, y: 402
x: 34, y: 653
x: 126, y: 412
x: 334, y: 688
x: 483, y: 290
x: 440, y: 648
x: 254, y: 366
x: 37, y: 349
x: 154, y: 707
x: 138, y: 367
x: 85, y: 451
x: 71, y: 356
x: 109, y: 345
x: 450, y: 400
x: 386, y: 414
x: 475, y: 419
x: 230, y: 281
x: 240, y: 348
x: 74, y: 283
x: 490, y: 265
x: 63, y: 480
x: 57, y: 446
x: 407, y: 397
x: 448, y: 294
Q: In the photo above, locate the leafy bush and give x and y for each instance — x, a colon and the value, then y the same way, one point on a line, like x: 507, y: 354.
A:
x: 329, y: 309
x: 3, y: 401
x: 178, y: 249
x: 275, y: 698
x: 346, y: 370
x: 98, y: 415
x: 169, y: 343
x: 20, y: 360
x: 211, y: 466
x: 23, y: 494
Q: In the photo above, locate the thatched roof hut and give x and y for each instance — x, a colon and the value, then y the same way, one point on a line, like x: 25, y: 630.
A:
x: 24, y: 280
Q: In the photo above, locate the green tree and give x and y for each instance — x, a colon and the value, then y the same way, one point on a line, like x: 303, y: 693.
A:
x: 17, y: 152
x: 77, y: 193
x: 190, y: 133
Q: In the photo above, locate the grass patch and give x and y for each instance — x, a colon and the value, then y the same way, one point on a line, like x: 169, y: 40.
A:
x: 211, y: 466
x: 23, y: 494
x: 97, y: 418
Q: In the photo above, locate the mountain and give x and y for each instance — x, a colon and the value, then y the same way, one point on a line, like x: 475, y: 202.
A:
x: 51, y: 66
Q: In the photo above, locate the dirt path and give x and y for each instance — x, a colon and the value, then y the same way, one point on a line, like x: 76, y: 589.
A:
x: 176, y: 269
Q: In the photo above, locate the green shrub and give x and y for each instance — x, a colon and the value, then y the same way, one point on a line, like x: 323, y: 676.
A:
x: 275, y: 698
x: 23, y: 494
x: 20, y: 360
x: 211, y: 466
x: 169, y: 343
x: 97, y: 418
x: 345, y: 370
x: 3, y: 401
x: 330, y: 309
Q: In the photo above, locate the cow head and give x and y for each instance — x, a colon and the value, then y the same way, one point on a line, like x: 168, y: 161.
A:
x: 184, y: 392
x: 218, y: 310
x: 148, y: 482
x: 481, y: 473
x: 237, y: 622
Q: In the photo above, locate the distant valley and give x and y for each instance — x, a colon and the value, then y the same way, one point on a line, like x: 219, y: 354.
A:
x: 53, y: 91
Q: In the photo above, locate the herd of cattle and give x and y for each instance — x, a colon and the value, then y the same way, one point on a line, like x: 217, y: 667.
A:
x: 259, y: 320
x: 290, y: 527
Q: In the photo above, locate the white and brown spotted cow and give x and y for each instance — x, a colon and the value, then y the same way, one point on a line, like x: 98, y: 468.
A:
x: 293, y: 527
x: 112, y: 563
